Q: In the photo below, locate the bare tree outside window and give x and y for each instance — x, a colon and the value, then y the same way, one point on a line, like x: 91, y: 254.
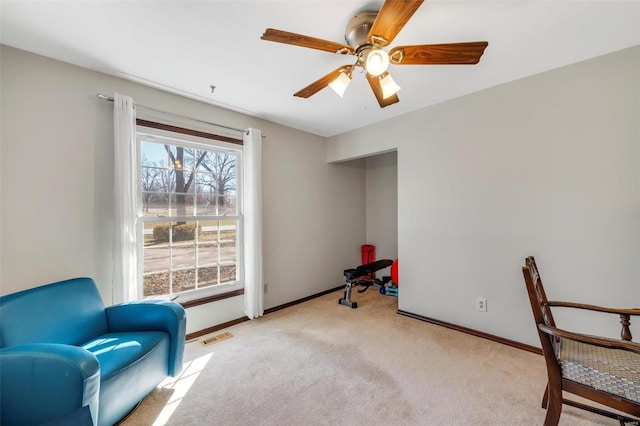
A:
x: 152, y: 181
x: 221, y: 176
x: 185, y: 172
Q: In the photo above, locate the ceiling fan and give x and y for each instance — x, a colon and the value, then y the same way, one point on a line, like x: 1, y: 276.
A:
x: 367, y: 34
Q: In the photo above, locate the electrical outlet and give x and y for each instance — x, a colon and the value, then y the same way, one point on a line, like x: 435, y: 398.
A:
x: 481, y: 304
x: 266, y: 288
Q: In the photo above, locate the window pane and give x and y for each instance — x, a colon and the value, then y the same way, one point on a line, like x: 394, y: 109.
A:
x: 156, y: 284
x: 153, y: 153
x: 183, y: 204
x: 228, y: 273
x: 150, y: 203
x: 207, y: 276
x: 183, y: 256
x: 155, y: 186
x: 208, y: 230
x: 183, y: 232
x: 155, y: 204
x: 217, y: 176
x: 228, y: 254
x: 228, y: 205
x: 188, y: 160
x: 228, y: 241
x: 152, y: 178
x: 171, y: 205
x: 205, y: 202
x: 157, y: 258
x: 171, y: 156
x: 207, y: 254
x: 147, y: 233
x: 157, y: 233
x: 184, y: 279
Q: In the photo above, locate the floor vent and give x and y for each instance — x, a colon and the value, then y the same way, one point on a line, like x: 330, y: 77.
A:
x: 214, y: 339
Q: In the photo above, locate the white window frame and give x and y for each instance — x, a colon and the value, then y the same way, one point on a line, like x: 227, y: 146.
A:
x: 190, y: 141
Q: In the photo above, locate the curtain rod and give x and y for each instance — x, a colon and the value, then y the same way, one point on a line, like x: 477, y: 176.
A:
x: 110, y: 99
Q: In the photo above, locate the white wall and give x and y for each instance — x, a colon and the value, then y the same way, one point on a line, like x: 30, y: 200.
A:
x: 545, y: 166
x: 56, y: 173
x: 381, y: 173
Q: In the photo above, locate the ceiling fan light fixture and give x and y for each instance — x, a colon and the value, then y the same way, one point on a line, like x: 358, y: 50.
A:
x: 389, y: 87
x: 376, y: 62
x: 339, y: 85
x: 369, y: 36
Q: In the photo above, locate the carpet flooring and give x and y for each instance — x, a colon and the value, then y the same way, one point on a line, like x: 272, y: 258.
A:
x: 320, y: 363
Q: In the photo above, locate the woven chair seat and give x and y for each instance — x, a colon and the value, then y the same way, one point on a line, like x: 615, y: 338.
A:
x: 610, y: 370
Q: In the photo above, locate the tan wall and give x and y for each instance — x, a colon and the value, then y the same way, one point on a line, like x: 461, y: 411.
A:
x: 544, y: 166
x: 56, y: 173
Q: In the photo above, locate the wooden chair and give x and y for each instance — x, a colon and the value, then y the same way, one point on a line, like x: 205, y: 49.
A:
x: 600, y: 369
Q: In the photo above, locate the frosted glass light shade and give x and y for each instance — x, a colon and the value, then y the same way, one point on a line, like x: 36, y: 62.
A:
x: 339, y: 85
x: 389, y: 87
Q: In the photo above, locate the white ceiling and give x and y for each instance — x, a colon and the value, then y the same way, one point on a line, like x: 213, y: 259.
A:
x: 186, y: 46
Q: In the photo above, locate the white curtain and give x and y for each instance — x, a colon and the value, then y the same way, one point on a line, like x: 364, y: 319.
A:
x: 253, y: 285
x: 125, y: 259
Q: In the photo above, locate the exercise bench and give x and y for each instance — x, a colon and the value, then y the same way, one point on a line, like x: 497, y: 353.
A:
x: 363, y: 275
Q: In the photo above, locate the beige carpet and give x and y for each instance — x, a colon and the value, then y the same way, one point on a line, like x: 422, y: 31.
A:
x: 319, y: 363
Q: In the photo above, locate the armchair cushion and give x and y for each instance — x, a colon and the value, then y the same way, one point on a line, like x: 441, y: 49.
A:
x: 158, y: 315
x: 131, y: 365
x: 116, y: 351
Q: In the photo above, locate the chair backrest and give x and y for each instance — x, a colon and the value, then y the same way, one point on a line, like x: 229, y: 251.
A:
x: 537, y: 296
x: 69, y: 312
x: 541, y: 312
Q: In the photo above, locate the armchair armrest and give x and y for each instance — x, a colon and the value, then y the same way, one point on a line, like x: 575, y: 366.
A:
x: 630, y: 311
x: 625, y: 314
x: 590, y: 340
x: 45, y: 381
x: 153, y: 315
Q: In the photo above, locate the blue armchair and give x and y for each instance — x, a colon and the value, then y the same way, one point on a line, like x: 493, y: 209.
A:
x: 62, y: 350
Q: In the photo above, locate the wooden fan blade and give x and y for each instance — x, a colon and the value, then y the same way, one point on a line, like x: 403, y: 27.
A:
x: 374, y: 82
x: 320, y: 84
x: 438, y: 54
x: 392, y: 18
x: 285, y: 37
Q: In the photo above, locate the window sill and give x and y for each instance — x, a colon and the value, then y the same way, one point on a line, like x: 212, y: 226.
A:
x: 212, y: 298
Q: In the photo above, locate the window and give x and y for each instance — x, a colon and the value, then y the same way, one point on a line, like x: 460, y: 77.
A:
x: 189, y: 221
